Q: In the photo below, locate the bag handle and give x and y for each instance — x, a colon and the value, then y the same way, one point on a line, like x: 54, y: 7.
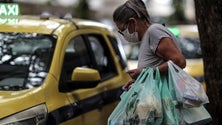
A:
x: 140, y: 79
x: 142, y: 76
x: 173, y: 66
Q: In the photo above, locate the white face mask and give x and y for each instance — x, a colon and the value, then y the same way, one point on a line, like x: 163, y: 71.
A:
x: 133, y: 37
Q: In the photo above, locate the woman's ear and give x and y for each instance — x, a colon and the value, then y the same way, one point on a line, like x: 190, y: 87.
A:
x: 132, y: 24
x: 133, y: 21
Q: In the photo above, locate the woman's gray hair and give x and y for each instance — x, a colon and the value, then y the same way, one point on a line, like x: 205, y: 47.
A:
x: 131, y: 8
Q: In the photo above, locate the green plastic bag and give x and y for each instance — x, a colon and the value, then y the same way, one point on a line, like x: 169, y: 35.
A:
x: 119, y: 111
x: 170, y: 114
x: 141, y: 105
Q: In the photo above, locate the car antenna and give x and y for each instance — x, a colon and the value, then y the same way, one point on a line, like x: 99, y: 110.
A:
x: 69, y: 17
x: 45, y: 15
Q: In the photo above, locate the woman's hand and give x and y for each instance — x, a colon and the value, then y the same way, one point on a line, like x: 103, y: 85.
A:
x: 134, y: 73
x: 126, y: 87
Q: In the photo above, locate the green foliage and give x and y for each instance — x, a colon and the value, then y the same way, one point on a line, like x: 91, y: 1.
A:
x: 82, y: 10
x: 178, y: 17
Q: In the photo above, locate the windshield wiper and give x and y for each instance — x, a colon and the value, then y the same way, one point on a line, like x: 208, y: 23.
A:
x: 12, y: 88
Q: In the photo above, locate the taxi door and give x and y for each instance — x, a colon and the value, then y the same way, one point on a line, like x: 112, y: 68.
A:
x: 89, y: 49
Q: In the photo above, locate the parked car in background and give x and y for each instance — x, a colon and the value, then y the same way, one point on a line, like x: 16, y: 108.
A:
x: 188, y: 38
x: 190, y: 46
x: 58, y: 71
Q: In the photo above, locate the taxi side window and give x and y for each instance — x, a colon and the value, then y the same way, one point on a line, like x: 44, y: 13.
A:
x: 104, y: 61
x: 77, y: 55
x: 89, y: 51
x: 119, y: 51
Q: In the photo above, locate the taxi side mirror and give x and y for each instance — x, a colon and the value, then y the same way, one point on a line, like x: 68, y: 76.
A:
x: 82, y: 78
x: 85, y: 75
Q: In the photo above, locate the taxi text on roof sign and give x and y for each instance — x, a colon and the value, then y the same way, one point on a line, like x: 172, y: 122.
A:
x: 9, y: 9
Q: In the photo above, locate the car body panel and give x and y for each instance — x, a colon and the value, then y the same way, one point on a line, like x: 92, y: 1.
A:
x: 30, y: 24
x: 9, y: 98
x: 194, y: 67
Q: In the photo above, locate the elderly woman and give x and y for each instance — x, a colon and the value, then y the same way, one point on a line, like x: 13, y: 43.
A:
x: 158, y: 45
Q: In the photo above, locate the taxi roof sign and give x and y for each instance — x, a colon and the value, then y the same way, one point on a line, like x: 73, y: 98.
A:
x: 10, y: 9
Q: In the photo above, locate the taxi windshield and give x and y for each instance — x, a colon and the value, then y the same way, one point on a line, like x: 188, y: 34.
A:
x: 25, y: 59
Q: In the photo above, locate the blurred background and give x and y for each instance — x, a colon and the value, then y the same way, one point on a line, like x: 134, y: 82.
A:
x: 162, y: 11
x: 172, y: 13
x: 168, y: 12
x: 179, y: 14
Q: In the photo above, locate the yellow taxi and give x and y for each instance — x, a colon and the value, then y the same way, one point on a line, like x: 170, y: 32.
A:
x: 188, y: 37
x: 58, y: 71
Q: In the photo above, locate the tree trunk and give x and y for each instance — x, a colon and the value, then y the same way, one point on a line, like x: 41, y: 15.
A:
x: 209, y: 21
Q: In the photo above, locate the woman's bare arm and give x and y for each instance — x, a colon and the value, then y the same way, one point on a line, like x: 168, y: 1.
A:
x: 169, y: 51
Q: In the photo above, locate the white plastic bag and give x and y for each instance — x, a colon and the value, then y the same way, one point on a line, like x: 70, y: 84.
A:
x: 188, y: 90
x: 195, y: 116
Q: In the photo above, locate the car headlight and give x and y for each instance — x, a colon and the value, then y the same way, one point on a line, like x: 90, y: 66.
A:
x: 33, y: 116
